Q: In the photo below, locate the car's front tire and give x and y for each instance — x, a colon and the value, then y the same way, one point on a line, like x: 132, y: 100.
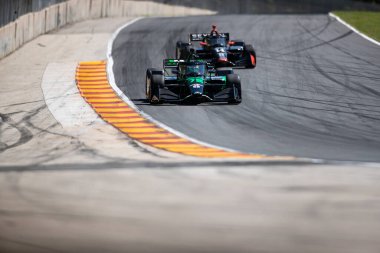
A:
x: 154, y: 81
x: 233, y: 82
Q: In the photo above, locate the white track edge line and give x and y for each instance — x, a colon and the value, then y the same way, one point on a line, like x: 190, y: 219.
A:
x: 354, y: 29
x: 112, y: 82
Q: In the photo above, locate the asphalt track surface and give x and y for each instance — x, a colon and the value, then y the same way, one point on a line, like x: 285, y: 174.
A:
x: 315, y: 92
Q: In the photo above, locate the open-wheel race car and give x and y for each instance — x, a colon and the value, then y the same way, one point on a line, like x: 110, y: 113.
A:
x: 192, y: 81
x: 218, y: 50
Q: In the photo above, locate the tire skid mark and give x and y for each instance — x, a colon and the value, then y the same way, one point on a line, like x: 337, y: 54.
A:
x: 111, y: 108
x: 365, y: 115
x: 330, y: 68
x: 364, y: 112
x: 25, y: 134
x: 28, y: 130
x: 319, y: 30
x: 323, y: 42
x: 329, y: 42
x: 339, y: 104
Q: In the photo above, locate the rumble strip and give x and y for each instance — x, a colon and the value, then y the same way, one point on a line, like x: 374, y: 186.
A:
x: 92, y: 82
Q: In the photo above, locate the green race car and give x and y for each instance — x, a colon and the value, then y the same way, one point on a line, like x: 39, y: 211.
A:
x: 192, y: 81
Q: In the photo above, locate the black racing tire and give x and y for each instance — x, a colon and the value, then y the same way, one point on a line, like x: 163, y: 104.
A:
x: 232, y: 79
x: 182, y: 50
x: 149, y: 73
x: 233, y: 82
x: 148, y: 83
x: 157, y: 82
x: 178, y: 49
x: 249, y: 53
x: 185, y: 52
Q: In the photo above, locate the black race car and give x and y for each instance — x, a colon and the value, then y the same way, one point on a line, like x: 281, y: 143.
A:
x: 218, y: 50
x: 192, y: 81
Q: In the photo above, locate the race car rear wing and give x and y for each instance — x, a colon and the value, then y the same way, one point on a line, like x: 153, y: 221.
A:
x: 201, y: 36
x: 172, y: 62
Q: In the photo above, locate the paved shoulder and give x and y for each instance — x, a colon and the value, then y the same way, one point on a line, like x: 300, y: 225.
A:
x: 53, y: 124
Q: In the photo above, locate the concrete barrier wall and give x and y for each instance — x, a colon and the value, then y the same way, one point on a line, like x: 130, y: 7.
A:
x: 11, y: 10
x: 31, y: 25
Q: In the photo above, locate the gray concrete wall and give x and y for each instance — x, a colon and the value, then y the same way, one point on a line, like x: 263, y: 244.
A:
x: 31, y: 25
x: 10, y: 10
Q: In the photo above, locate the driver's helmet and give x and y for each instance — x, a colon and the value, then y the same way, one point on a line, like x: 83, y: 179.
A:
x: 214, y: 31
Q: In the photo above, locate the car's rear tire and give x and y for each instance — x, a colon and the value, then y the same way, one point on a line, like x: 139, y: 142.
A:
x: 233, y: 82
x: 178, y: 49
x: 250, y: 55
x: 182, y: 50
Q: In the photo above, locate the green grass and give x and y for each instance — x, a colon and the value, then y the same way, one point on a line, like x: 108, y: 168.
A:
x: 367, y: 22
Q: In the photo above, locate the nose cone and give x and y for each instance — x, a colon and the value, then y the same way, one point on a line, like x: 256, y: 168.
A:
x: 196, y: 89
x: 195, y: 85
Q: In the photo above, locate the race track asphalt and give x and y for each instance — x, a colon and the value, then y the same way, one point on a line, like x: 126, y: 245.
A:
x: 315, y: 92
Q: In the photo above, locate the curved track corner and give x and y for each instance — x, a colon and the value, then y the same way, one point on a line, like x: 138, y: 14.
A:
x: 93, y: 84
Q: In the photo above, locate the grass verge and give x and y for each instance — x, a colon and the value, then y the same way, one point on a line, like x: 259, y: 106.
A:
x: 367, y: 22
